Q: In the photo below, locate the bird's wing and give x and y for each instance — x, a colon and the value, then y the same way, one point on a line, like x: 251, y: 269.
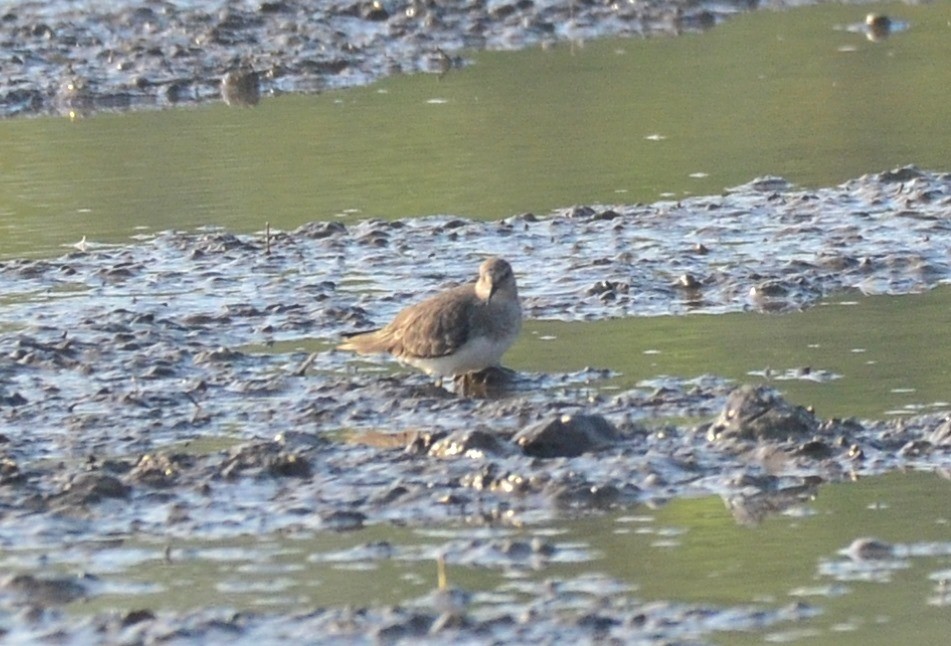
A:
x: 436, y: 327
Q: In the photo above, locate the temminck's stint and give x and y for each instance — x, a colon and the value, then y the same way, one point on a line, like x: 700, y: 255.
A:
x: 461, y: 330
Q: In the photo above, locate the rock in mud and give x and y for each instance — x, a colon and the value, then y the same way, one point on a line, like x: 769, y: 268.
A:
x: 241, y: 87
x: 915, y: 449
x: 9, y: 470
x: 476, y: 443
x: 567, y: 436
x: 488, y: 383
x: 941, y: 436
x: 343, y: 520
x: 12, y: 400
x: 587, y: 496
x: 265, y: 459
x: 870, y: 549
x: 157, y: 470
x: 137, y: 616
x: 760, y: 413
x: 416, y: 442
x: 91, y: 488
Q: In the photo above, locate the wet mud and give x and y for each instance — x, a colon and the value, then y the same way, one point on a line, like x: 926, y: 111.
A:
x: 75, y: 58
x: 116, y: 361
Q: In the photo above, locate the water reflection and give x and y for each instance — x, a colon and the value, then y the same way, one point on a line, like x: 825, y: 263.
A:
x: 755, y: 508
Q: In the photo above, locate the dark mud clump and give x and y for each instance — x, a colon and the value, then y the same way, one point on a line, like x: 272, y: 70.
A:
x: 567, y: 436
x: 759, y: 413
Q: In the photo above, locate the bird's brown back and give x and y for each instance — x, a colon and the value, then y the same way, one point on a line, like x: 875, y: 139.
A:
x: 436, y: 327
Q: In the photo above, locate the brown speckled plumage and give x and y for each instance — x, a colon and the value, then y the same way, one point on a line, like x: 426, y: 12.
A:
x: 460, y: 330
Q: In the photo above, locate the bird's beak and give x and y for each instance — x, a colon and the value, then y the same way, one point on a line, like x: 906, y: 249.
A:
x: 492, y: 289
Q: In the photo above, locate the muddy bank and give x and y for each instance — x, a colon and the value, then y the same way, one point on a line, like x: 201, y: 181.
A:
x: 66, y: 57
x: 762, y: 454
x: 181, y: 335
x: 119, y: 364
x: 764, y: 246
x: 525, y: 459
x: 588, y: 611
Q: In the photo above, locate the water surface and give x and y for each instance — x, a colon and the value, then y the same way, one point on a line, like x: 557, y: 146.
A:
x: 692, y: 551
x: 870, y: 357
x: 613, y: 121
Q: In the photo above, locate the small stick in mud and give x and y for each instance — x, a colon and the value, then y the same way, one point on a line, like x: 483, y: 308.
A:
x: 441, y: 572
x: 267, y: 238
x: 304, y: 366
x: 198, y: 410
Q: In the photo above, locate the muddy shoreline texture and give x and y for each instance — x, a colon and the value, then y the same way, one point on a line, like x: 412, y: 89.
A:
x: 69, y: 58
x: 118, y: 362
x: 115, y: 360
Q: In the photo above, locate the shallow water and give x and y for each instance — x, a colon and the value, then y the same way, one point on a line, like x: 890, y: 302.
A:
x: 849, y: 356
x: 692, y: 551
x: 615, y: 121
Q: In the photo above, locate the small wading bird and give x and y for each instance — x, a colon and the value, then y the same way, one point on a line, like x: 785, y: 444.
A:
x: 878, y: 27
x: 461, y: 330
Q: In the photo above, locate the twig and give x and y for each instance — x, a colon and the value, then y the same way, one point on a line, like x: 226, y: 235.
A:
x: 304, y: 366
x: 441, y: 572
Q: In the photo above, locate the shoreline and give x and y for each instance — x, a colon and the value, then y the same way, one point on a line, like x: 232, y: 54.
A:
x: 71, y: 61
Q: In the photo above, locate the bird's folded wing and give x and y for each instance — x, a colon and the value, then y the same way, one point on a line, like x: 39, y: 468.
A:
x: 435, y: 328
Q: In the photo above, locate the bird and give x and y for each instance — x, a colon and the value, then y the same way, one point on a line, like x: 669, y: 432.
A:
x: 241, y: 87
x: 878, y: 26
x: 458, y: 331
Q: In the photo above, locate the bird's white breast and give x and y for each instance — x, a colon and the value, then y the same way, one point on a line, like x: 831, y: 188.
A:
x: 475, y: 354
